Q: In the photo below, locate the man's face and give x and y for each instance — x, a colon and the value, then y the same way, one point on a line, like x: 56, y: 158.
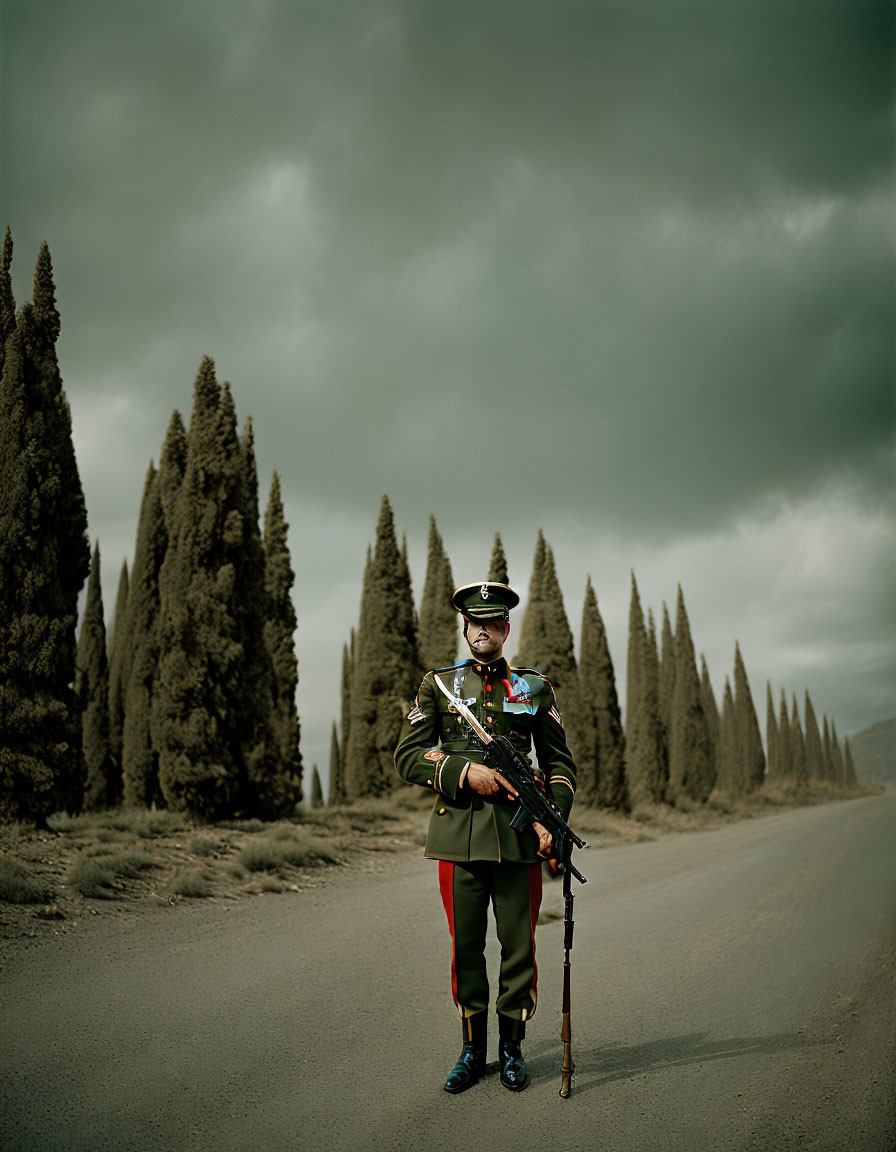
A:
x: 486, y: 638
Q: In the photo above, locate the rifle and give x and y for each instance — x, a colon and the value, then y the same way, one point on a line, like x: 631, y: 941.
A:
x: 501, y: 756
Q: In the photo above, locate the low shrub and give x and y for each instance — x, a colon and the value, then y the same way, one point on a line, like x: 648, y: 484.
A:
x: 18, y: 886
x: 286, y: 847
x: 95, y: 876
x: 192, y: 883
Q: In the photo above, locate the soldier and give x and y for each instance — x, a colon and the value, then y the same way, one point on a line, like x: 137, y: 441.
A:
x: 481, y: 858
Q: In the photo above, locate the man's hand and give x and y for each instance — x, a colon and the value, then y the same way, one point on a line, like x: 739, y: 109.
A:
x: 487, y: 782
x: 544, y: 838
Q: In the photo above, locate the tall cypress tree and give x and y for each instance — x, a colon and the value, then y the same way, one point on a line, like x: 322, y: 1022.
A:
x: 532, y: 629
x: 691, y: 769
x: 497, y: 569
x: 749, y: 740
x: 603, y: 733
x: 7, y: 300
x: 118, y: 647
x: 279, y: 632
x: 773, y: 754
x: 44, y: 560
x: 728, y: 774
x: 667, y: 673
x: 337, y: 788
x: 317, y: 793
x: 644, y: 761
x: 387, y: 670
x: 827, y: 753
x: 558, y: 661
x: 786, y: 744
x: 814, y: 750
x: 92, y: 694
x: 139, y: 759
x: 850, y: 779
x: 797, y: 747
x: 438, y: 619
x: 710, y: 711
x: 338, y: 793
x: 837, y: 758
x: 172, y: 465
x: 194, y: 730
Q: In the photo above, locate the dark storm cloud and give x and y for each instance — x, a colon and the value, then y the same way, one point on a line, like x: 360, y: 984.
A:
x: 635, y: 259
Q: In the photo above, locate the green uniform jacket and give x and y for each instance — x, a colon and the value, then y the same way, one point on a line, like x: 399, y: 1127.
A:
x: 437, y: 745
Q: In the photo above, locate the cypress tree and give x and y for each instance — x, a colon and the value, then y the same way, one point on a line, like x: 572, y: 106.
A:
x: 337, y: 787
x: 728, y: 776
x: 749, y: 739
x: 139, y: 759
x: 827, y: 753
x: 497, y: 569
x: 194, y: 730
x: 118, y: 648
x: 837, y: 758
x: 691, y: 769
x: 558, y: 661
x: 532, y: 630
x: 317, y: 793
x: 279, y: 629
x: 338, y: 793
x: 710, y: 711
x: 644, y: 761
x: 44, y: 559
x: 7, y: 300
x: 92, y: 694
x: 387, y: 670
x: 814, y: 750
x: 850, y: 779
x: 172, y: 465
x: 438, y: 619
x: 773, y: 755
x: 602, y: 728
x: 797, y: 747
x: 667, y: 660
x: 785, y: 744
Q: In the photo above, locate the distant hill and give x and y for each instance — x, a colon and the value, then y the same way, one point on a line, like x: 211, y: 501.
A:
x: 874, y: 753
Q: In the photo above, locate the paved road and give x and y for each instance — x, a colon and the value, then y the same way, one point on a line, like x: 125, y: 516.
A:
x: 733, y: 990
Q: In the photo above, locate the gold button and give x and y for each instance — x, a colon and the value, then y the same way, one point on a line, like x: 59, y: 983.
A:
x: 429, y: 781
x: 442, y: 811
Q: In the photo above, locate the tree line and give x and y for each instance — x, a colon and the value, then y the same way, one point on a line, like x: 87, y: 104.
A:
x: 676, y: 745
x: 189, y: 701
x: 191, y: 705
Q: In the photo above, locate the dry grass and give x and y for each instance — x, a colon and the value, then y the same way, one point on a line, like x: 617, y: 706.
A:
x: 192, y: 883
x: 99, y: 875
x: 19, y: 886
x: 285, y: 846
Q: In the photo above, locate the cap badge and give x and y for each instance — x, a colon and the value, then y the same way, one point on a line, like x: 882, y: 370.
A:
x: 483, y: 591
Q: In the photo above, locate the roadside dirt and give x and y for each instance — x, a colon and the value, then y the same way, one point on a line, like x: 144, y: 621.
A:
x: 158, y: 859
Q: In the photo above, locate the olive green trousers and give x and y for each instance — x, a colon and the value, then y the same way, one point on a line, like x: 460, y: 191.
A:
x: 514, y: 891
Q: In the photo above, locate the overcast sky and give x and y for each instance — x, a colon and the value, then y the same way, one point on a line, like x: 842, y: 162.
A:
x: 623, y: 271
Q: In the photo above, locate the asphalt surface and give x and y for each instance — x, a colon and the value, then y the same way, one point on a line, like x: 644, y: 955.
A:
x: 732, y: 990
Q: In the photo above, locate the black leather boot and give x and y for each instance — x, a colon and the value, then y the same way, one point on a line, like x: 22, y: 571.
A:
x: 514, y: 1074
x: 471, y: 1062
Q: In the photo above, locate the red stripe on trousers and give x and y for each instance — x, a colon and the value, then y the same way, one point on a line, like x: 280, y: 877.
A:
x: 446, y: 887
x: 535, y: 879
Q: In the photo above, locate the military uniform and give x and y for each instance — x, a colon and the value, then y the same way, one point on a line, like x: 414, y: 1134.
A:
x: 481, y: 858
